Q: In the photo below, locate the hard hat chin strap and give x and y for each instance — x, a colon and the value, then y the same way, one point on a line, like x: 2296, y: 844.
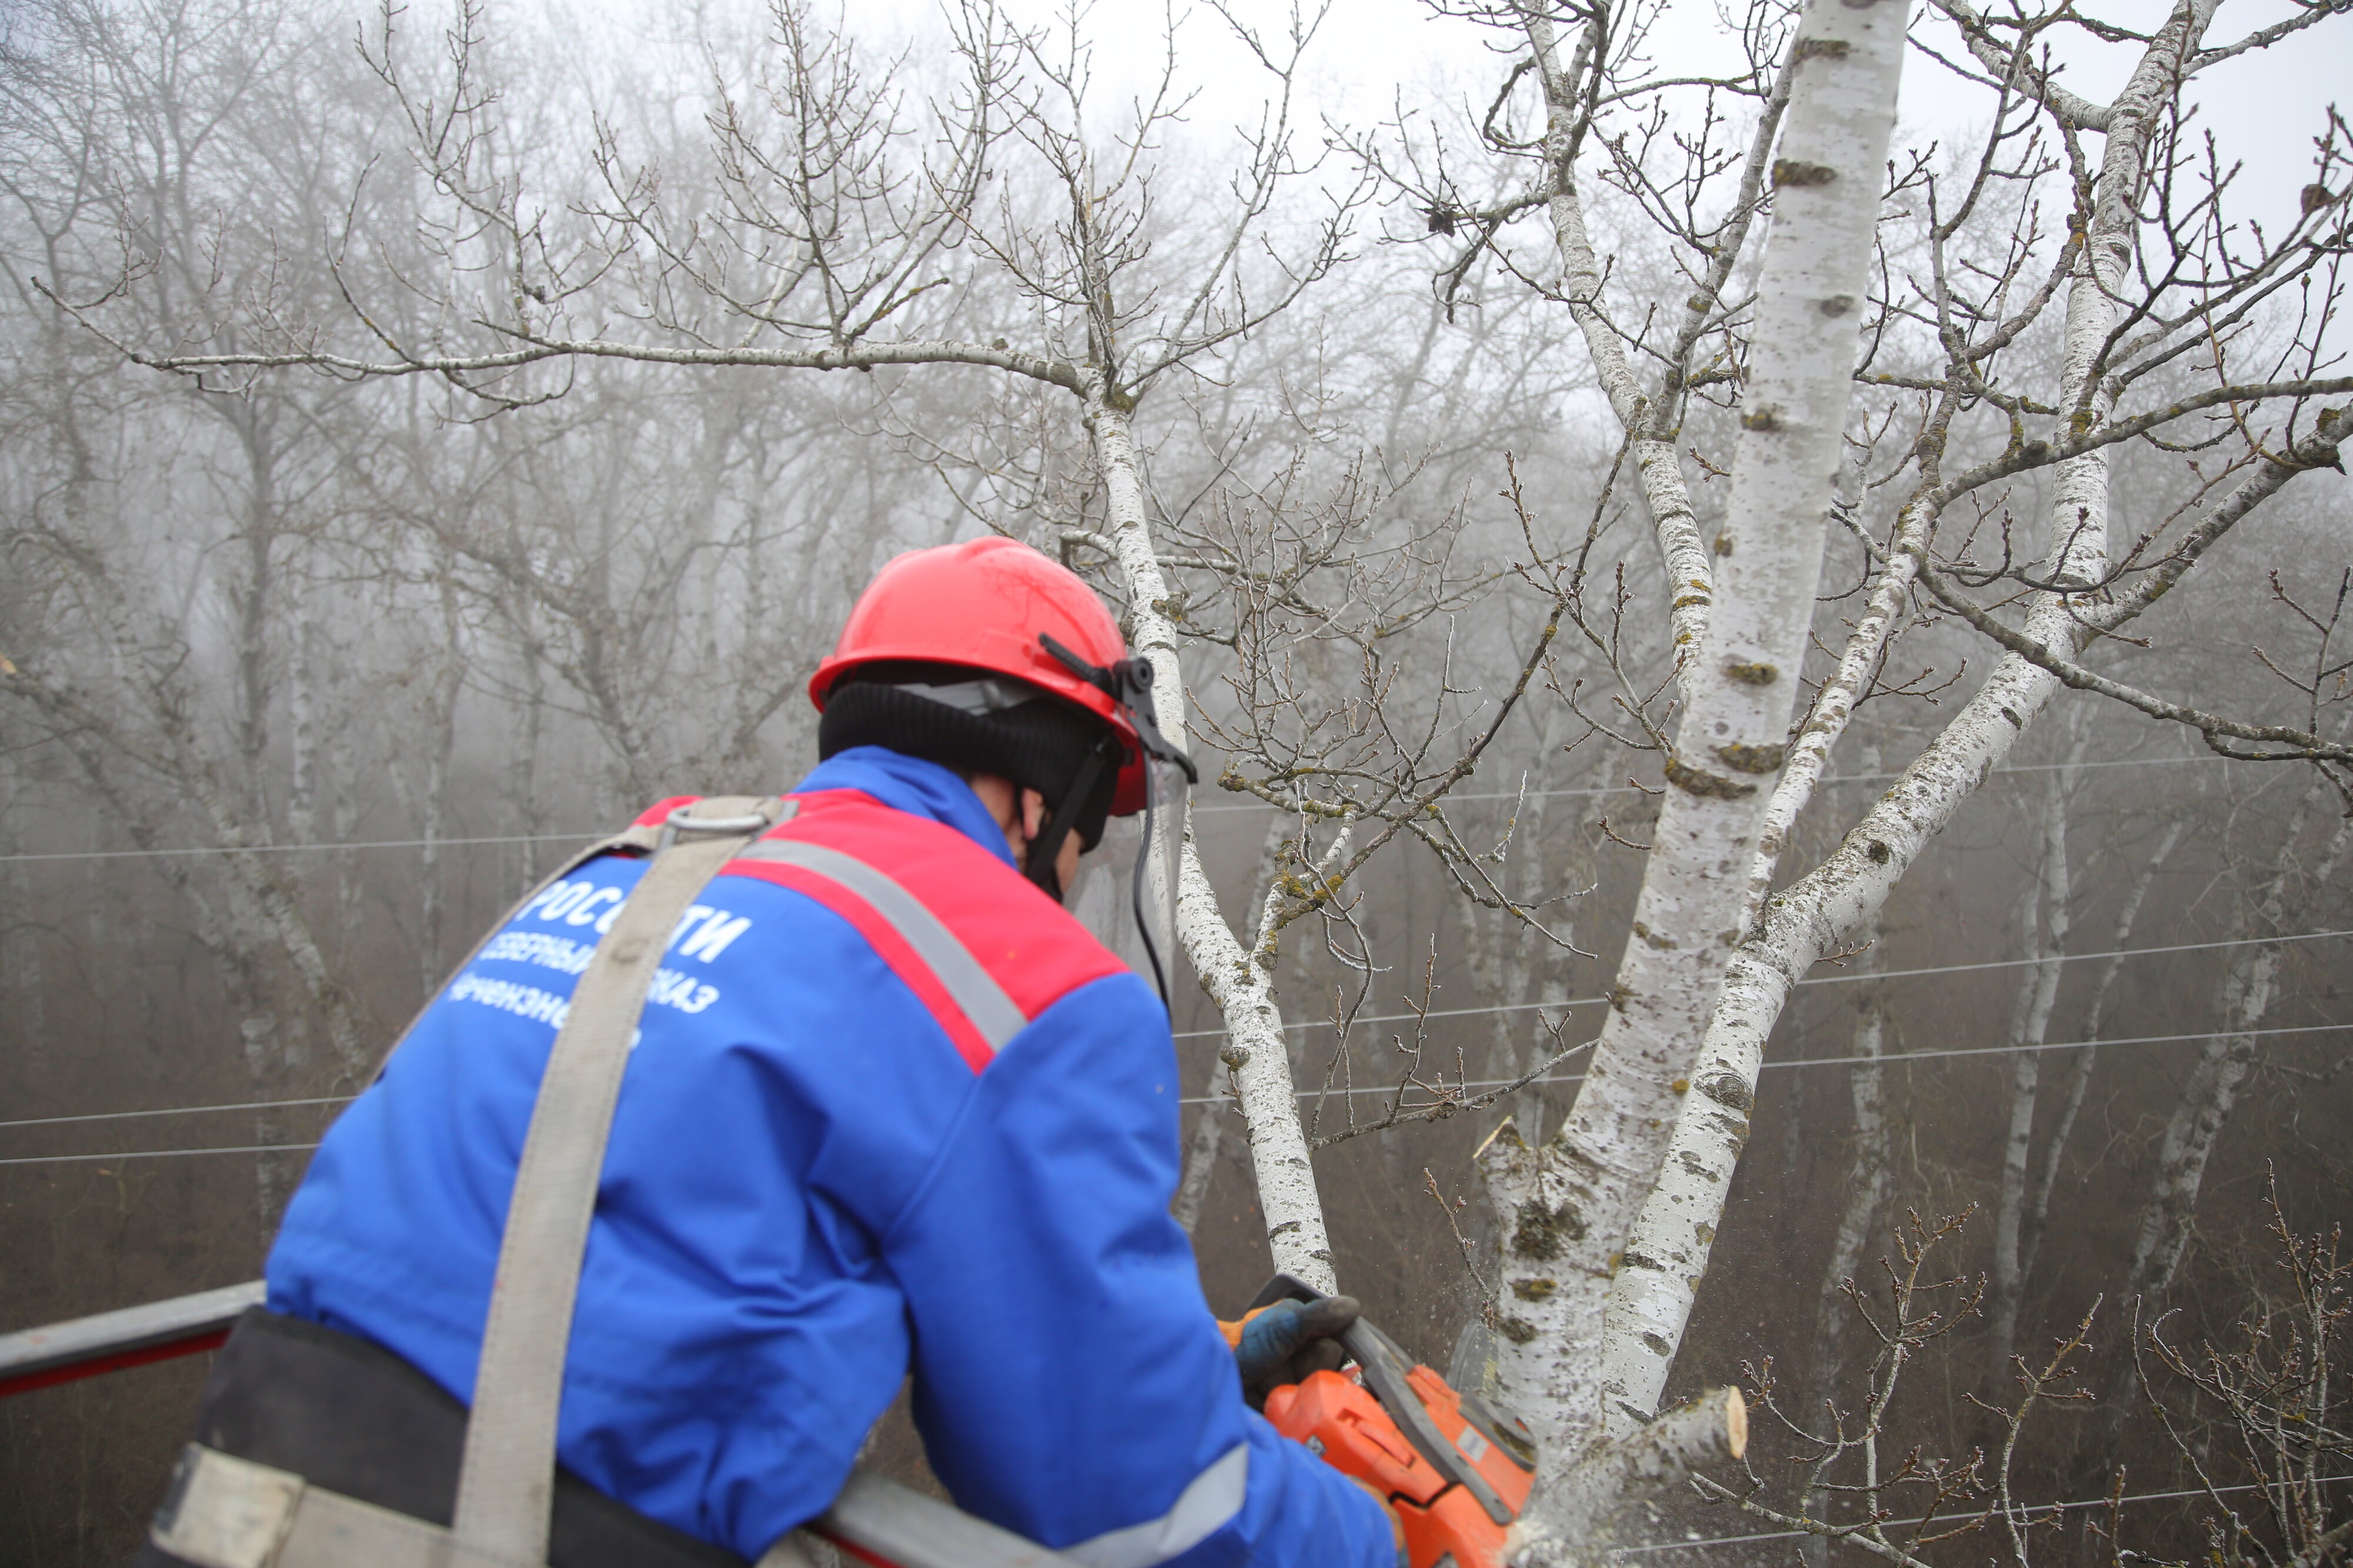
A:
x: 1128, y: 682
x: 1039, y: 864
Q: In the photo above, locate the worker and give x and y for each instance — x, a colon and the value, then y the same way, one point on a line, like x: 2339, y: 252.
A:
x: 905, y: 1119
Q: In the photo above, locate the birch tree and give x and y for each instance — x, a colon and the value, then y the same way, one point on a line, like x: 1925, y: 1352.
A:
x: 2085, y: 1057
x: 1580, y: 1192
x: 2158, y: 295
x: 1812, y: 915
x: 2310, y: 855
x: 2043, y: 919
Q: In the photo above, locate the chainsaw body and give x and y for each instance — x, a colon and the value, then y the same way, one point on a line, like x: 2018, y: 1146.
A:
x: 1456, y: 1471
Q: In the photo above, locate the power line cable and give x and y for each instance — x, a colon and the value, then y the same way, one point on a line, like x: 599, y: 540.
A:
x: 155, y: 1154
x: 1897, y: 1059
x: 2026, y: 1511
x: 328, y: 847
x: 1837, y: 779
x: 294, y: 849
x: 179, y: 1111
x: 1512, y: 1008
x: 1843, y: 979
x: 1892, y: 1059
x: 1304, y: 1094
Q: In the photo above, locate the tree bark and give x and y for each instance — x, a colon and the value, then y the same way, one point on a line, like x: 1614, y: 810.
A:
x: 1240, y: 982
x: 1201, y: 1152
x: 1651, y: 421
x: 1733, y: 739
x: 1866, y: 1201
x: 2044, y: 924
x: 2079, y: 1070
x: 1667, y: 1253
x: 2162, y: 1235
x: 1582, y: 1518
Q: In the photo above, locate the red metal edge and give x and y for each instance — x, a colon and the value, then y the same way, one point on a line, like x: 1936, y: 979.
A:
x: 210, y: 1340
x: 854, y: 1550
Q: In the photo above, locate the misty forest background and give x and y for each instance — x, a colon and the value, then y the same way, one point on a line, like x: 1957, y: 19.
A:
x: 307, y: 676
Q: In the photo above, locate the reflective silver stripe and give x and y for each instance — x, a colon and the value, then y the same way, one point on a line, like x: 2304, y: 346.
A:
x: 884, y: 1520
x: 1214, y: 1497
x: 975, y: 989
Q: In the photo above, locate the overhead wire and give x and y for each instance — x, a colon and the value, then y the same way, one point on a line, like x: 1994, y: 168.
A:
x: 1893, y: 1059
x: 156, y: 1153
x: 295, y: 849
x: 1452, y: 1013
x: 179, y: 1111
x: 1840, y: 979
x: 1833, y: 779
x: 2024, y: 1511
x: 326, y: 847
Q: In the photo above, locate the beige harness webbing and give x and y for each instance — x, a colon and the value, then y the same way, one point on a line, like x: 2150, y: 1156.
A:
x: 506, y: 1484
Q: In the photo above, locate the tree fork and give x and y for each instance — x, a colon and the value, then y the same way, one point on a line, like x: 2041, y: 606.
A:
x: 1731, y: 742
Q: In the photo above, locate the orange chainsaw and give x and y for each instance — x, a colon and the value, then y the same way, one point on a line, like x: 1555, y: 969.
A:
x: 1455, y: 1469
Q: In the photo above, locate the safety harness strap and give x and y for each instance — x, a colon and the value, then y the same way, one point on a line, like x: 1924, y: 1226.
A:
x: 227, y: 1513
x: 506, y: 1483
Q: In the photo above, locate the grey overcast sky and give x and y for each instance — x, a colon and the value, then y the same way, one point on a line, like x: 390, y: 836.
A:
x: 2264, y: 107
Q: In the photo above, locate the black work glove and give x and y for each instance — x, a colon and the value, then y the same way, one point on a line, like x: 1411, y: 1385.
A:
x: 1285, y: 1342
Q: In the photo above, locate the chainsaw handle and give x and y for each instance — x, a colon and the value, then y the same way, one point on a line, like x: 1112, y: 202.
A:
x: 1383, y: 1366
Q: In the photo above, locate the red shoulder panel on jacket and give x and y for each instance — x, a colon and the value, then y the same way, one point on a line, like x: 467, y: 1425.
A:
x: 658, y: 813
x: 1030, y: 945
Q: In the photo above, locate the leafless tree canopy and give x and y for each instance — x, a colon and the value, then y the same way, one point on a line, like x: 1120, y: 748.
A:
x: 1641, y: 878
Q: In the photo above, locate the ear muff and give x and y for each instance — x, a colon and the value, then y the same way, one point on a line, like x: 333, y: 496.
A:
x: 1060, y: 751
x: 1089, y: 795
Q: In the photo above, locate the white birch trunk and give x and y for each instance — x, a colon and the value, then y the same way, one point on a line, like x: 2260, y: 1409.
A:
x: 1833, y: 709
x: 2079, y: 1072
x: 1667, y: 1254
x: 1691, y: 575
x: 1241, y: 983
x: 1866, y: 1191
x: 440, y: 713
x: 1208, y: 1138
x: 1201, y: 1153
x: 1580, y: 1520
x: 2163, y: 1234
x: 523, y: 769
x: 1741, y: 690
x: 302, y: 707
x: 1866, y: 1200
x: 1650, y: 425
x: 2166, y: 1216
x: 20, y: 940
x: 2044, y: 923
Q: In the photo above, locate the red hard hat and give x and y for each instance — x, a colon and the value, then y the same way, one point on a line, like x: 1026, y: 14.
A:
x: 982, y: 604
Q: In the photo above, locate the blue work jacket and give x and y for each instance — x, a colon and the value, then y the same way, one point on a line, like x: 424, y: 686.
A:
x: 830, y: 1167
